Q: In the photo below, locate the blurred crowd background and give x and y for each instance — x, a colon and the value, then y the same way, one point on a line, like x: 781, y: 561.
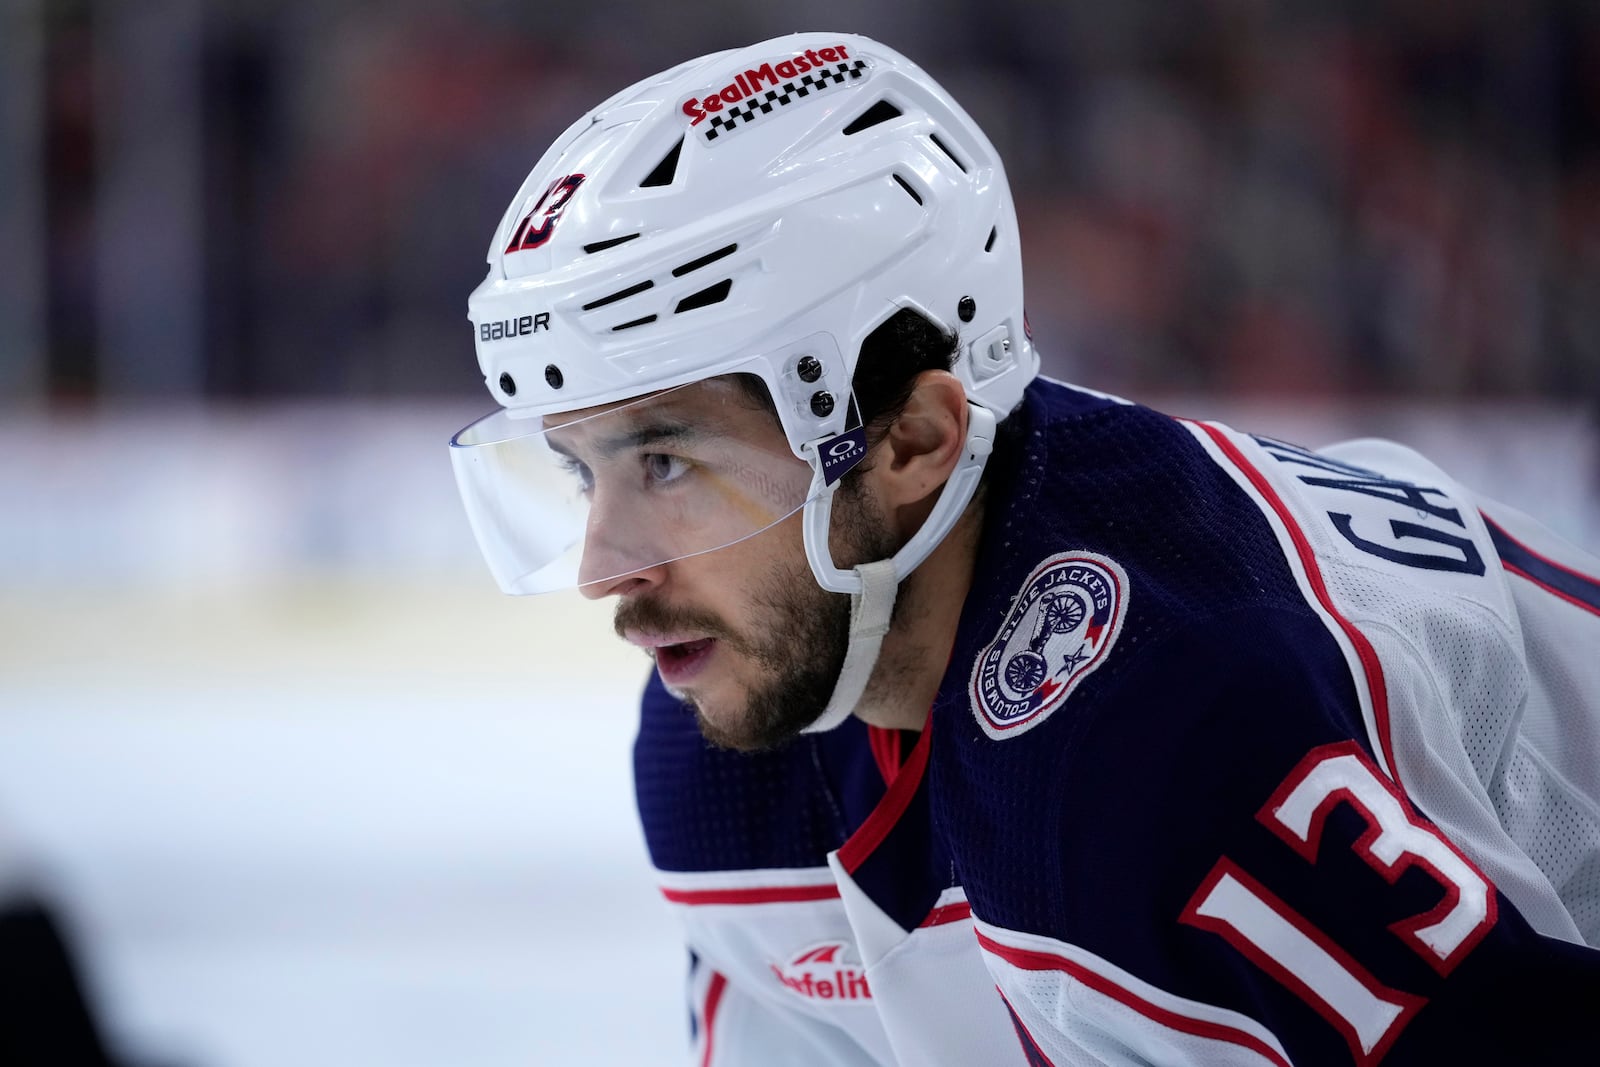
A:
x: 291, y: 782
x: 287, y: 198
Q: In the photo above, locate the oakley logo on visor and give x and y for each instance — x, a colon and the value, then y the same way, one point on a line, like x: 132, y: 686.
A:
x: 840, y: 454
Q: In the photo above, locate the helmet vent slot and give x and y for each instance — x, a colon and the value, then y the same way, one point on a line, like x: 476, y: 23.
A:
x: 882, y: 111
x: 636, y: 322
x: 621, y: 294
x: 709, y: 257
x: 994, y: 231
x: 601, y: 246
x: 664, y: 171
x: 941, y: 146
x: 912, y: 193
x: 712, y: 294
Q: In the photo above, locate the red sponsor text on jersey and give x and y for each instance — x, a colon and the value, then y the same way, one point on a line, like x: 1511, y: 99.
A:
x: 767, y: 75
x: 821, y: 974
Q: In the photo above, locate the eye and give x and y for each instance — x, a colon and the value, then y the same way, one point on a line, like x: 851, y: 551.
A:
x: 662, y: 468
x: 579, y: 471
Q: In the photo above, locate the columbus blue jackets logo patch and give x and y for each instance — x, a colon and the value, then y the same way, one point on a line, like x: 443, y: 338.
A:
x: 1061, y: 626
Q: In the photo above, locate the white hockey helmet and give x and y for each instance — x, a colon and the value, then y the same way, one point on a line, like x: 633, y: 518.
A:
x: 757, y: 211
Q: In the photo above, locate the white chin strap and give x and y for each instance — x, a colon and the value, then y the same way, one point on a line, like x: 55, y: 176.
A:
x: 874, y: 586
x: 870, y: 610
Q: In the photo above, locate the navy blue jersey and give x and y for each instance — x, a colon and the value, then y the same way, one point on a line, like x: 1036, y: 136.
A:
x: 1245, y: 754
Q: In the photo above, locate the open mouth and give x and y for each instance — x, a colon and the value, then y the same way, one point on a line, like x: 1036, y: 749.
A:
x: 678, y: 663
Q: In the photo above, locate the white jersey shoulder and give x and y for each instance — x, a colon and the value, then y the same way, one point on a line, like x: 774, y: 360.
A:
x: 1469, y: 666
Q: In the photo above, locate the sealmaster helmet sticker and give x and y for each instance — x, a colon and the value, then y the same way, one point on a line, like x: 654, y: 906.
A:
x: 759, y: 91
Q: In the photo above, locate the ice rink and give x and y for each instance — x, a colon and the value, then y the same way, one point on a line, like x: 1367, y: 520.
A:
x: 311, y: 792
x: 310, y: 825
x: 308, y: 788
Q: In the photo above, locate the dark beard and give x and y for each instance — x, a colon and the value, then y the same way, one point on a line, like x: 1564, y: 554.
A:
x: 804, y: 653
x: 805, y: 633
x: 801, y: 647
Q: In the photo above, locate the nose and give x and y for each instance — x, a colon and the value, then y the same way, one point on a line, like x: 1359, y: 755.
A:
x: 619, y: 585
x: 617, y: 557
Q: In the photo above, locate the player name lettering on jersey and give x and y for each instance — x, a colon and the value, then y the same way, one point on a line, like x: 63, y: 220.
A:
x: 1385, y: 516
x: 821, y: 973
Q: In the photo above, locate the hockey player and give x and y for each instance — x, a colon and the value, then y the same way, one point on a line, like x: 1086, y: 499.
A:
x: 1073, y: 733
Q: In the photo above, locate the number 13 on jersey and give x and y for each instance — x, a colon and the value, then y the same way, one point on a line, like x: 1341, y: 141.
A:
x: 1235, y: 905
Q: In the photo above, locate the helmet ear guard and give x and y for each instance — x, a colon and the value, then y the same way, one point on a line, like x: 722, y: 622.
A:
x: 947, y: 509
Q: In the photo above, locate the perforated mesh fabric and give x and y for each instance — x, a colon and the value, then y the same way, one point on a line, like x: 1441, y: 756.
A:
x: 1495, y: 719
x: 1557, y: 831
x: 1473, y: 679
x: 1467, y: 693
x: 1455, y: 689
x: 1547, y: 793
x: 1078, y: 1023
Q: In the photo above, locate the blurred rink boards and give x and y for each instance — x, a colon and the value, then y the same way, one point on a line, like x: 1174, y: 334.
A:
x: 310, y: 791
x: 309, y: 788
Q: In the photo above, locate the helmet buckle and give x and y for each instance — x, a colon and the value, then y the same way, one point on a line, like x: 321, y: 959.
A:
x: 992, y: 354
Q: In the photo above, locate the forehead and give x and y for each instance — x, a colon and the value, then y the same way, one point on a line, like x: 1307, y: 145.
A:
x: 717, y: 407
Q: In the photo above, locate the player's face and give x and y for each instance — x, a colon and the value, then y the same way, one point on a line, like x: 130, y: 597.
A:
x: 744, y: 634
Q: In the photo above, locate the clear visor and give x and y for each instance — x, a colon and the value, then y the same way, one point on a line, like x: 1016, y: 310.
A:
x: 588, y: 496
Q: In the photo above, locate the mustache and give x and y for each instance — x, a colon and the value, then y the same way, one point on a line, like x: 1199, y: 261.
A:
x: 645, y: 614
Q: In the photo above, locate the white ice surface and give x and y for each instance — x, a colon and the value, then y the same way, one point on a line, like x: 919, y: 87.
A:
x: 329, y: 826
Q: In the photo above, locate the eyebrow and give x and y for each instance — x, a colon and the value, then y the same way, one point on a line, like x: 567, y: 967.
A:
x: 609, y: 447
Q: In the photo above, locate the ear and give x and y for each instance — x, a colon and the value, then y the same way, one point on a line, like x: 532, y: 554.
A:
x: 922, y: 447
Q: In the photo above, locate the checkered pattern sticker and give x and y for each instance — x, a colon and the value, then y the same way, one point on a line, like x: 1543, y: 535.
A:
x: 798, y: 89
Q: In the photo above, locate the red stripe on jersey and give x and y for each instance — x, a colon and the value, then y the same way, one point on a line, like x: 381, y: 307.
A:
x: 766, y: 894
x: 885, y: 745
x: 709, y: 1015
x: 1552, y: 590
x: 1030, y: 960
x: 854, y: 852
x: 1557, y: 579
x: 1308, y: 560
x: 948, y: 913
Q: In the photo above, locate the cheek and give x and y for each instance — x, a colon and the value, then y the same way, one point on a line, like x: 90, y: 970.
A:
x: 861, y: 533
x: 750, y: 587
x: 775, y: 585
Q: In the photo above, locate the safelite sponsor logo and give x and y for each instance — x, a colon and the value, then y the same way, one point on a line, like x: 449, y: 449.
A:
x: 759, y: 90
x: 822, y: 973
